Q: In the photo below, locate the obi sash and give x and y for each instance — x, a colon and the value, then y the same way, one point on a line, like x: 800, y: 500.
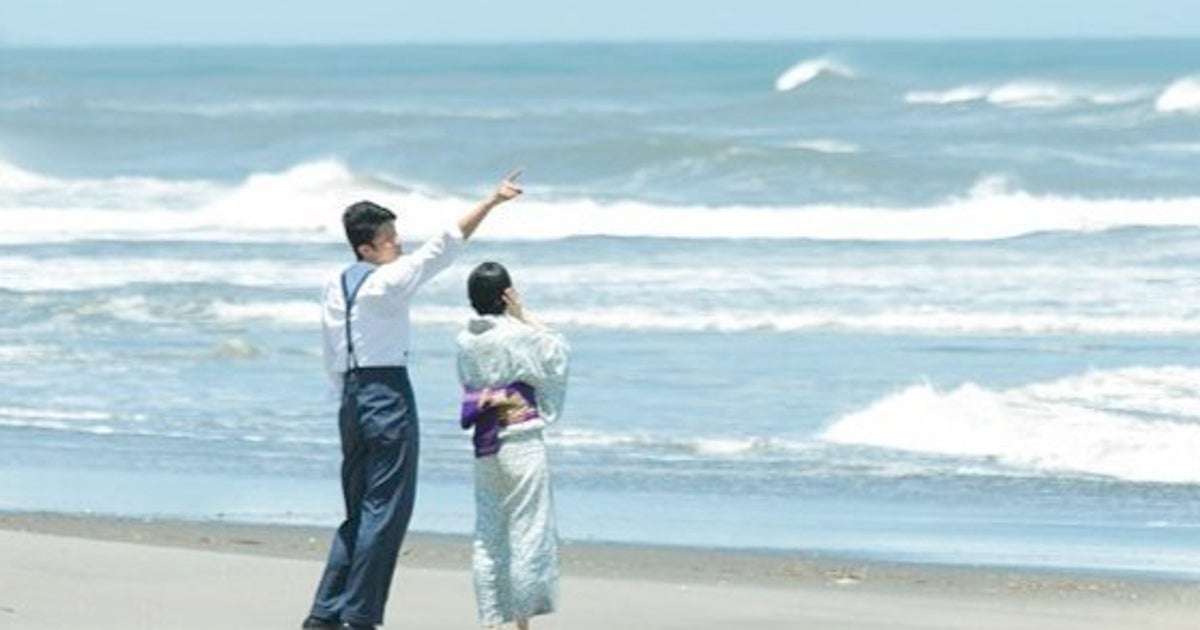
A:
x: 488, y: 421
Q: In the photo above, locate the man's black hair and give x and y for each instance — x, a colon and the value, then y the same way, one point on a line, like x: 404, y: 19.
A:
x: 362, y: 221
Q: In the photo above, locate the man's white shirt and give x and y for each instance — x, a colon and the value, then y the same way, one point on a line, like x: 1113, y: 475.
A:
x: 380, y: 317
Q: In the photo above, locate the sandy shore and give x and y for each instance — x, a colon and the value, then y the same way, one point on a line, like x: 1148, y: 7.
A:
x: 63, y: 571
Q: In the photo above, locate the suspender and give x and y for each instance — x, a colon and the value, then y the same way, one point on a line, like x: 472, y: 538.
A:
x: 352, y: 280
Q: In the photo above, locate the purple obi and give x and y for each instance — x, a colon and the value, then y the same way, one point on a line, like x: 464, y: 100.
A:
x: 490, y: 409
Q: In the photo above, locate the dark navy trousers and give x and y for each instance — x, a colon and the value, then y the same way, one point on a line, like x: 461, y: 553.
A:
x: 378, y: 421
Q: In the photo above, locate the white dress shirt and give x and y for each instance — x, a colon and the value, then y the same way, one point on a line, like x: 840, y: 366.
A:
x: 380, y: 317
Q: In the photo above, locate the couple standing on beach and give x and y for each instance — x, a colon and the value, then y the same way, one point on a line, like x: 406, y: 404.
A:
x: 513, y: 371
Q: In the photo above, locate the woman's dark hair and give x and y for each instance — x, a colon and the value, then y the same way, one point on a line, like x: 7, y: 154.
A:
x: 485, y: 287
x: 362, y: 220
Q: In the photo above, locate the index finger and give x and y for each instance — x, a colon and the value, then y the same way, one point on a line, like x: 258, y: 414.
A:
x: 514, y: 174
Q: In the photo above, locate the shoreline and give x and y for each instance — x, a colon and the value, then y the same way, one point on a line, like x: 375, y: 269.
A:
x: 607, y: 560
x: 84, y: 571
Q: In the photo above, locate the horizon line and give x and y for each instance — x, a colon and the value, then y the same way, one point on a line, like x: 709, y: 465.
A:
x: 950, y: 39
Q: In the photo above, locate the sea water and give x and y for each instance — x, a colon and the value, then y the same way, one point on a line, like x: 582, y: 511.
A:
x: 930, y: 301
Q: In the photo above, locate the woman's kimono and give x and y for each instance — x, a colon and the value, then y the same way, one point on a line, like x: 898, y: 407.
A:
x: 515, y: 556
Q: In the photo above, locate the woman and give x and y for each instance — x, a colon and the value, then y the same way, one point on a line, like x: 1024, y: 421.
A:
x: 514, y: 374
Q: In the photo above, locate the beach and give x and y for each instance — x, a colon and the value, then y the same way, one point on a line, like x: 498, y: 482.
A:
x: 863, y: 334
x: 84, y: 571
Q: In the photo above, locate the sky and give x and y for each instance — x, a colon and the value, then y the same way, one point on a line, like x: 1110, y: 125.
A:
x: 157, y: 22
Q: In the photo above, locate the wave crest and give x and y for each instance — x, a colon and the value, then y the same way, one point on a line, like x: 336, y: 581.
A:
x: 1182, y: 96
x: 809, y: 70
x: 303, y: 204
x: 1136, y: 424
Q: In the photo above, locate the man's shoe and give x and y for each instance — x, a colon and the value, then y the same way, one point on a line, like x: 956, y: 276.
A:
x: 316, y: 623
x: 357, y: 626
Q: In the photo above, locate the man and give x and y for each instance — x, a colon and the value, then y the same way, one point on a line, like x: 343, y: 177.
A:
x: 366, y: 328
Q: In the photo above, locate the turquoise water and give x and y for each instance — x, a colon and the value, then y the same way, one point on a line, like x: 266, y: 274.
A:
x: 931, y: 301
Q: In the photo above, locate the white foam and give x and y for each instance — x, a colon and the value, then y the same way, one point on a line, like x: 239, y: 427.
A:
x: 60, y: 415
x: 74, y: 273
x: 585, y: 438
x: 1181, y: 97
x: 237, y: 348
x: 898, y: 294
x: 1171, y: 391
x: 296, y: 203
x: 744, y: 446
x: 826, y: 145
x: 1013, y: 280
x: 668, y: 318
x: 303, y: 204
x: 894, y: 321
x: 14, y: 179
x: 300, y: 204
x: 652, y: 444
x: 1025, y: 94
x: 1029, y: 94
x: 20, y: 353
x: 223, y: 108
x: 973, y: 218
x: 1108, y: 423
x: 45, y: 425
x: 212, y: 109
x: 295, y: 313
x: 952, y: 96
x: 1176, y: 147
x: 806, y: 71
x: 136, y: 309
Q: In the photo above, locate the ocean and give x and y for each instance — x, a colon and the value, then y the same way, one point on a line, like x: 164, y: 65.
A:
x: 914, y: 301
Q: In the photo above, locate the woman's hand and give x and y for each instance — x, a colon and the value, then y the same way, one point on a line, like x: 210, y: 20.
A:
x: 512, y: 303
x: 516, y: 309
x: 510, y: 408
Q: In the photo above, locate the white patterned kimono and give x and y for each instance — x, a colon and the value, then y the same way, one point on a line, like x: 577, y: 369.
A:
x: 515, y: 557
